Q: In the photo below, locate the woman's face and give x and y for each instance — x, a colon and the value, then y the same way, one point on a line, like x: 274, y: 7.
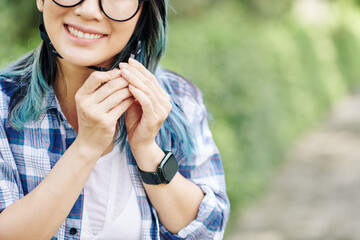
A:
x: 69, y: 30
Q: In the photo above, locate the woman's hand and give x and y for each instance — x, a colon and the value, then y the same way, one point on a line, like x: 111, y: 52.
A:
x: 100, y: 102
x: 146, y: 115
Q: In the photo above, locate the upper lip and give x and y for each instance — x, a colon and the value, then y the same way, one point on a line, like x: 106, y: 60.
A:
x: 85, y: 29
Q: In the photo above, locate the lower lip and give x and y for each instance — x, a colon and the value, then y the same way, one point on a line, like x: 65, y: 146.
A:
x: 82, y: 41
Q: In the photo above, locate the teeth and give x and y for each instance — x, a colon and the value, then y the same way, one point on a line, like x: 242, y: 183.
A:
x: 81, y: 34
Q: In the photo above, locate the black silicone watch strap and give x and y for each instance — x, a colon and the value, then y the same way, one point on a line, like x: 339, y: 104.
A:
x: 156, y: 178
x: 152, y: 178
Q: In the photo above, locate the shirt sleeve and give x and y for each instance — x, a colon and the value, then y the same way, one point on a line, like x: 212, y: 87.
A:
x: 205, y: 170
x: 9, y: 177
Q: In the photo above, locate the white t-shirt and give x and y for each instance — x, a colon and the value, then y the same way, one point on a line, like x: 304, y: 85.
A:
x: 111, y: 210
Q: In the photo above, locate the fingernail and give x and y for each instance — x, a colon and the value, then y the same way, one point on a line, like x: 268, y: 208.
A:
x: 132, y: 61
x: 125, y: 72
x: 123, y: 65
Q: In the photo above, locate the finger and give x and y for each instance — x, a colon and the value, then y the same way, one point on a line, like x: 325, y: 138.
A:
x: 115, y: 99
x: 136, y: 107
x: 117, y: 111
x: 128, y: 74
x: 142, y: 79
x: 109, y: 88
x: 96, y: 79
x: 146, y: 104
x: 151, y: 114
x: 142, y: 69
x: 134, y: 80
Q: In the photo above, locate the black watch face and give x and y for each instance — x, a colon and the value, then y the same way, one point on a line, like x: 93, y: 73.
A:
x: 170, y: 168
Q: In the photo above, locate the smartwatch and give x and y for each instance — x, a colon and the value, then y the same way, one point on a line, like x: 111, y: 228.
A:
x: 167, y: 169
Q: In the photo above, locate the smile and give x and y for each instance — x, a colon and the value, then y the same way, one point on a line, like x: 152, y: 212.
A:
x: 77, y: 33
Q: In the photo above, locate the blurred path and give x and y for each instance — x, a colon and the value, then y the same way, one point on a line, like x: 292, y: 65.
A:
x: 316, y: 195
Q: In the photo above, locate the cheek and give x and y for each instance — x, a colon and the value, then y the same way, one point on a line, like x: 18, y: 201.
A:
x: 52, y: 18
x: 121, y: 34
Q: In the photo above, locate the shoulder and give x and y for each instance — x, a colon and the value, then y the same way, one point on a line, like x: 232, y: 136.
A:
x: 7, y: 88
x: 184, y: 94
x: 11, y: 90
x: 178, y: 86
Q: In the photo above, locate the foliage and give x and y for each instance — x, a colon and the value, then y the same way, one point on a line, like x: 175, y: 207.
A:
x: 268, y: 8
x: 18, y: 23
x: 265, y: 82
x: 266, y: 76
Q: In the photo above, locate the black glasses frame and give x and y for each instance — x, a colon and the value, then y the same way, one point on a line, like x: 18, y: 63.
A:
x: 102, y: 9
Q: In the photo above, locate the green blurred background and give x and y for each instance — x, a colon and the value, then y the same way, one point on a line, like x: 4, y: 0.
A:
x: 269, y: 71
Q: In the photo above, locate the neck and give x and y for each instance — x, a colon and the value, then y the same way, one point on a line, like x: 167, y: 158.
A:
x: 68, y: 81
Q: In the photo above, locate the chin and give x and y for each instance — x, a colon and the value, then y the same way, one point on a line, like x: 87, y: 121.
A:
x: 85, y: 61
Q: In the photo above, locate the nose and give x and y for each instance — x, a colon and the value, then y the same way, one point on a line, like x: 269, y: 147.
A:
x: 89, y: 10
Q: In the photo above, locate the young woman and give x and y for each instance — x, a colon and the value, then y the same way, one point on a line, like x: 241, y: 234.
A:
x: 95, y: 144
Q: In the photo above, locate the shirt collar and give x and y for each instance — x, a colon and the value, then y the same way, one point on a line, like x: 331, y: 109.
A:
x: 51, y: 102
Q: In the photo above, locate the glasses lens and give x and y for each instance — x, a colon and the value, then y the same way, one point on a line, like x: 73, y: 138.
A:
x: 115, y: 9
x: 120, y: 9
x: 67, y: 3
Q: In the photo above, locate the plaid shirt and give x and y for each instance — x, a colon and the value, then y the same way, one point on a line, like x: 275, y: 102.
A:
x: 26, y: 157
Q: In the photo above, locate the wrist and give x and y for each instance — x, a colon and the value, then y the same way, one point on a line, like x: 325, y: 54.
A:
x: 86, y: 152
x: 166, y: 171
x: 148, y: 158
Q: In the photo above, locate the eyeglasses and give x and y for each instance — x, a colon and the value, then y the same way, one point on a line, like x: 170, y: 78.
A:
x: 117, y: 10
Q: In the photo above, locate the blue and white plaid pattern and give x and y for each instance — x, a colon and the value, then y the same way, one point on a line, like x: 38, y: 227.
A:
x: 26, y: 157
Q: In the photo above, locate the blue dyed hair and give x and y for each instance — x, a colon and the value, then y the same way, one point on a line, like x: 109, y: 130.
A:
x: 35, y: 73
